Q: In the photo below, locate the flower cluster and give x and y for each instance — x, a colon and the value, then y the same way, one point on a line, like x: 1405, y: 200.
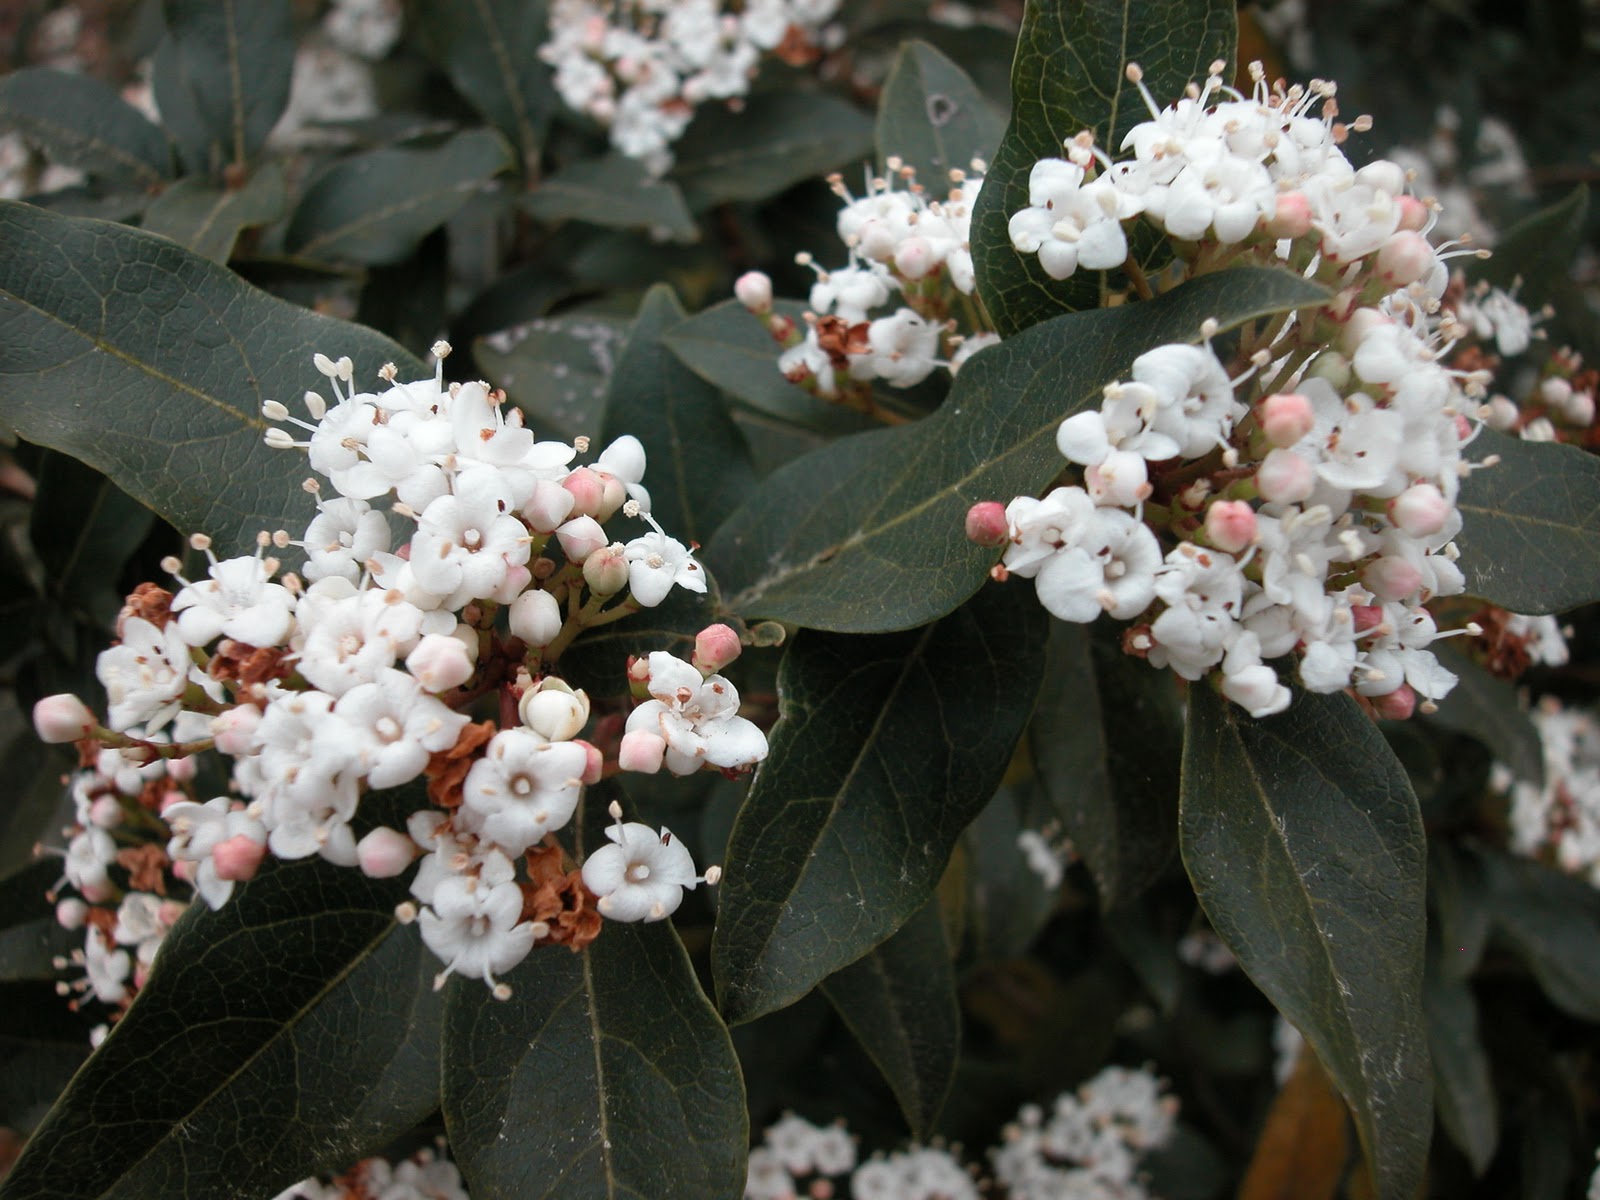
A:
x: 1089, y: 1143
x: 906, y: 248
x: 420, y: 1177
x: 357, y: 677
x: 640, y: 67
x: 1303, y: 501
x: 1559, y: 821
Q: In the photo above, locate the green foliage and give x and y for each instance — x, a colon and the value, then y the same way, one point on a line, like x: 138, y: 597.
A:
x: 84, y: 124
x: 933, y: 117
x: 1068, y: 76
x: 1463, y: 1090
x: 173, y: 355
x: 1328, y: 918
x: 208, y: 218
x: 616, y: 192
x: 866, y: 535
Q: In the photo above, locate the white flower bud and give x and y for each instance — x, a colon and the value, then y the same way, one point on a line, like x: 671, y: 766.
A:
x: 440, y: 662
x: 606, y: 570
x: 384, y: 853
x: 554, y: 711
x: 754, y: 291
x: 234, y: 731
x: 548, y: 507
x: 71, y: 913
x: 642, y: 751
x: 536, y: 618
x: 62, y: 718
x: 581, y: 537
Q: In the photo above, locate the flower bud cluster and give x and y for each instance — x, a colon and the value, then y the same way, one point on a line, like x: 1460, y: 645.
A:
x: 640, y: 67
x: 1559, y: 821
x: 905, y: 248
x: 354, y: 681
x: 1305, y: 506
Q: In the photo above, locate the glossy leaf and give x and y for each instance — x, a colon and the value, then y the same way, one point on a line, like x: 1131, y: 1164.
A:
x: 1528, y: 540
x: 615, y: 191
x: 375, y: 208
x: 885, y: 749
x: 208, y: 219
x: 728, y: 346
x: 84, y: 528
x: 1488, y: 708
x: 1068, y: 76
x: 1463, y: 1090
x: 1458, y: 889
x: 607, y: 1075
x: 867, y: 534
x: 933, y: 117
x: 1107, y: 742
x: 1552, y: 921
x: 82, y: 122
x: 900, y: 1002
x: 30, y: 936
x: 1305, y: 846
x: 221, y: 77
x: 168, y: 358
x: 779, y: 139
x: 698, y: 467
x: 557, y: 370
x: 291, y: 1031
x: 1538, y: 250
x: 490, y: 50
x: 1006, y: 903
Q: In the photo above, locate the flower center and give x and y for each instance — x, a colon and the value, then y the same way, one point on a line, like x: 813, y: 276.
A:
x: 388, y: 729
x: 522, y: 786
x: 471, y: 539
x: 638, y: 873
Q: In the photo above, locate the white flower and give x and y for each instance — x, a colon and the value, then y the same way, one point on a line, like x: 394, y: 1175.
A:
x: 656, y: 562
x: 476, y: 929
x: 1071, y: 224
x: 624, y: 460
x: 239, y: 602
x: 522, y: 788
x: 641, y: 876
x: 466, y: 542
x: 145, y: 676
x: 341, y: 538
x: 698, y: 718
x: 904, y: 348
x: 395, y: 726
x: 198, y: 829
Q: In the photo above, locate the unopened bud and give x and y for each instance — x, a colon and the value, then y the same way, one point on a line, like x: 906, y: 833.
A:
x: 754, y: 291
x: 594, y: 763
x: 71, y: 913
x: 606, y: 570
x: 440, y: 662
x: 234, y: 731
x: 613, y: 495
x: 715, y: 647
x: 384, y: 853
x: 1421, y: 510
x: 1285, y: 418
x: 581, y: 537
x: 1413, y: 213
x: 1405, y: 258
x: 1291, y: 219
x: 1231, y: 525
x: 62, y: 718
x: 1284, y: 477
x: 548, y: 507
x: 1391, y: 578
x: 182, y: 770
x: 105, y: 812
x: 914, y: 257
x: 1365, y: 616
x: 553, y: 710
x: 987, y: 524
x: 238, y: 858
x: 642, y: 751
x: 1398, y: 705
x: 535, y: 618
x: 588, y: 489
x: 1500, y: 413
x: 1331, y: 367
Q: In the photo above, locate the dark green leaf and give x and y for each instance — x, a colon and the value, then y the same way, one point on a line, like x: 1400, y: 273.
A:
x: 490, y: 50
x: 868, y: 534
x: 81, y: 122
x: 35, y: 798
x: 33, y: 1073
x: 168, y: 358
x: 607, y: 1075
x: 30, y: 936
x: 699, y: 467
x: 1528, y: 540
x: 207, y: 218
x: 292, y: 1031
x: 1553, y: 922
x: 1463, y: 1091
x: 222, y: 77
x: 1006, y: 903
x: 886, y: 748
x: 1068, y: 76
x: 933, y: 117
x: 1107, y: 742
x: 556, y: 369
x: 614, y: 191
x: 374, y: 208
x: 84, y: 528
x: 729, y: 346
x: 900, y: 1002
x: 781, y: 138
x: 1459, y: 892
x: 1151, y: 953
x: 1488, y: 708
x: 1305, y: 845
x: 1539, y: 249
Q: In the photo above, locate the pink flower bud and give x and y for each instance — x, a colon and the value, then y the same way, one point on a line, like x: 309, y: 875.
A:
x: 606, y: 570
x: 1391, y: 578
x: 518, y: 577
x: 642, y: 751
x: 170, y: 911
x: 549, y: 505
x: 594, y: 763
x: 105, y: 812
x: 181, y: 770
x: 1420, y: 510
x: 587, y: 488
x: 440, y: 662
x: 71, y: 913
x: 183, y: 868
x: 1398, y: 705
x: 239, y: 857
x: 1284, y: 477
x: 754, y: 291
x: 715, y: 647
x: 1292, y: 218
x: 384, y: 853
x: 1285, y: 418
x: 580, y: 537
x: 987, y: 524
x: 613, y: 495
x: 1231, y: 525
x: 1405, y: 258
x: 235, y: 730
x: 171, y: 798
x: 1413, y: 213
x: 535, y: 618
x: 1366, y: 616
x: 62, y: 718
